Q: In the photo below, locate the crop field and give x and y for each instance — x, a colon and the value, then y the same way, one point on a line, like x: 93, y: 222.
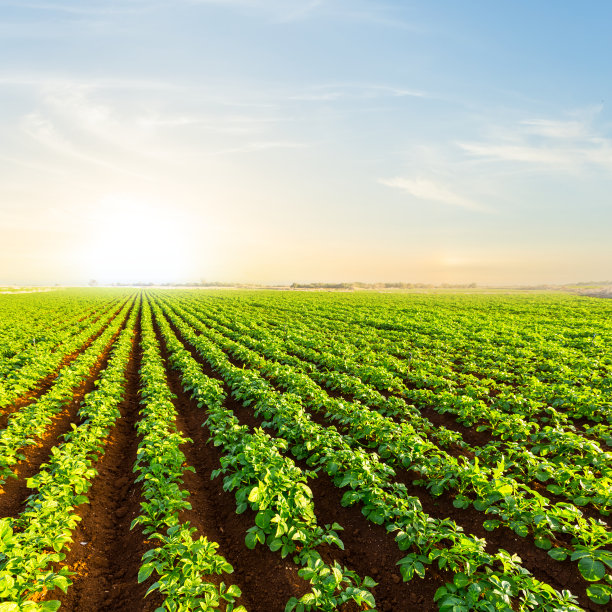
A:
x: 275, y: 451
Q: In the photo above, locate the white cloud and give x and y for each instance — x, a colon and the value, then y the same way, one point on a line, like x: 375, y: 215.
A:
x: 517, y: 153
x: 253, y: 147
x: 428, y: 190
x: 557, y: 130
x: 280, y: 11
x: 337, y: 91
x: 564, y: 145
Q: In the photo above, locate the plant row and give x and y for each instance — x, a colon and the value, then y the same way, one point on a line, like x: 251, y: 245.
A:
x: 26, y: 426
x: 585, y: 478
x: 271, y: 485
x: 182, y: 566
x: 32, y: 544
x: 44, y: 359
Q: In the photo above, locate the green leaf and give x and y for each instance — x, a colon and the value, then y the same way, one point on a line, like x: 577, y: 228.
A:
x: 144, y: 572
x: 61, y: 582
x: 368, y: 598
x: 460, y: 580
x: 491, y: 524
x: 542, y: 542
x: 558, y: 554
x: 251, y: 540
x: 599, y: 593
x: 9, y: 606
x: 154, y: 586
x: 6, y: 532
x: 505, y: 490
x: 262, y: 519
x: 591, y: 569
x: 521, y: 530
x: 234, y: 591
x: 275, y: 544
x: 50, y: 606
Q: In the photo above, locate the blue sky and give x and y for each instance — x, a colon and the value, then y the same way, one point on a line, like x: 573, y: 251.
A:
x: 280, y: 141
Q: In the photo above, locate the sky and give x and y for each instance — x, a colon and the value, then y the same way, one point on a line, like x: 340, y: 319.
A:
x: 279, y: 141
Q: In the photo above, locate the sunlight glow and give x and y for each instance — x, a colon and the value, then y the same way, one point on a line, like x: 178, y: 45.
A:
x: 137, y: 241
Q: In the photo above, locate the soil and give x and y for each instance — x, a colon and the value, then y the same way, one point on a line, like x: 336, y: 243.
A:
x: 106, y: 554
x: 266, y: 579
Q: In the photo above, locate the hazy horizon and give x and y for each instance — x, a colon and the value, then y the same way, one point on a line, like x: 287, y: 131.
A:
x: 271, y: 141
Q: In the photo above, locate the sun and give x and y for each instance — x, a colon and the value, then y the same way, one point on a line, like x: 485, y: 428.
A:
x: 136, y: 240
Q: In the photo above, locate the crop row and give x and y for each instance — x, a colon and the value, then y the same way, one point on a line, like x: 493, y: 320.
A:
x: 32, y: 543
x: 272, y: 486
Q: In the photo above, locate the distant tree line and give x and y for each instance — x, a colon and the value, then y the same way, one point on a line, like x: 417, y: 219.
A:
x: 358, y: 285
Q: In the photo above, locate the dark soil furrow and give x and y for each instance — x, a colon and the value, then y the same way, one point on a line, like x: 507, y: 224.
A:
x: 561, y: 575
x: 476, y: 439
x: 106, y: 554
x: 267, y: 580
x: 369, y: 549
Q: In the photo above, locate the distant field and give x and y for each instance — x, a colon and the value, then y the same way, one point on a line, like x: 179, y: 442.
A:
x: 24, y: 289
x: 305, y: 450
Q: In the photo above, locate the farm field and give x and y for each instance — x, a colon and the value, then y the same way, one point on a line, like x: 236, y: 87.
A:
x: 278, y: 451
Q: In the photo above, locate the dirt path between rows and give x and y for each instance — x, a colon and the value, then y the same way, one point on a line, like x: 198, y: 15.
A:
x: 266, y: 579
x: 106, y: 555
x: 560, y: 575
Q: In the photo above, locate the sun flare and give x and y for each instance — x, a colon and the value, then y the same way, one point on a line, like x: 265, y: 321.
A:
x: 137, y: 241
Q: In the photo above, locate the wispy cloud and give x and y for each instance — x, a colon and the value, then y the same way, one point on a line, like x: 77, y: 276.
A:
x: 255, y: 147
x: 570, y: 145
x: 44, y: 132
x: 368, y: 12
x: 424, y: 189
x: 343, y: 90
x: 556, y: 130
x: 47, y: 82
x: 518, y: 153
x: 279, y: 11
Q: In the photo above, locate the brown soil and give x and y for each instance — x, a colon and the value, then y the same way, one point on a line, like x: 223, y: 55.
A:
x: 106, y: 555
x: 560, y: 575
x: 266, y: 579
x: 369, y: 549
